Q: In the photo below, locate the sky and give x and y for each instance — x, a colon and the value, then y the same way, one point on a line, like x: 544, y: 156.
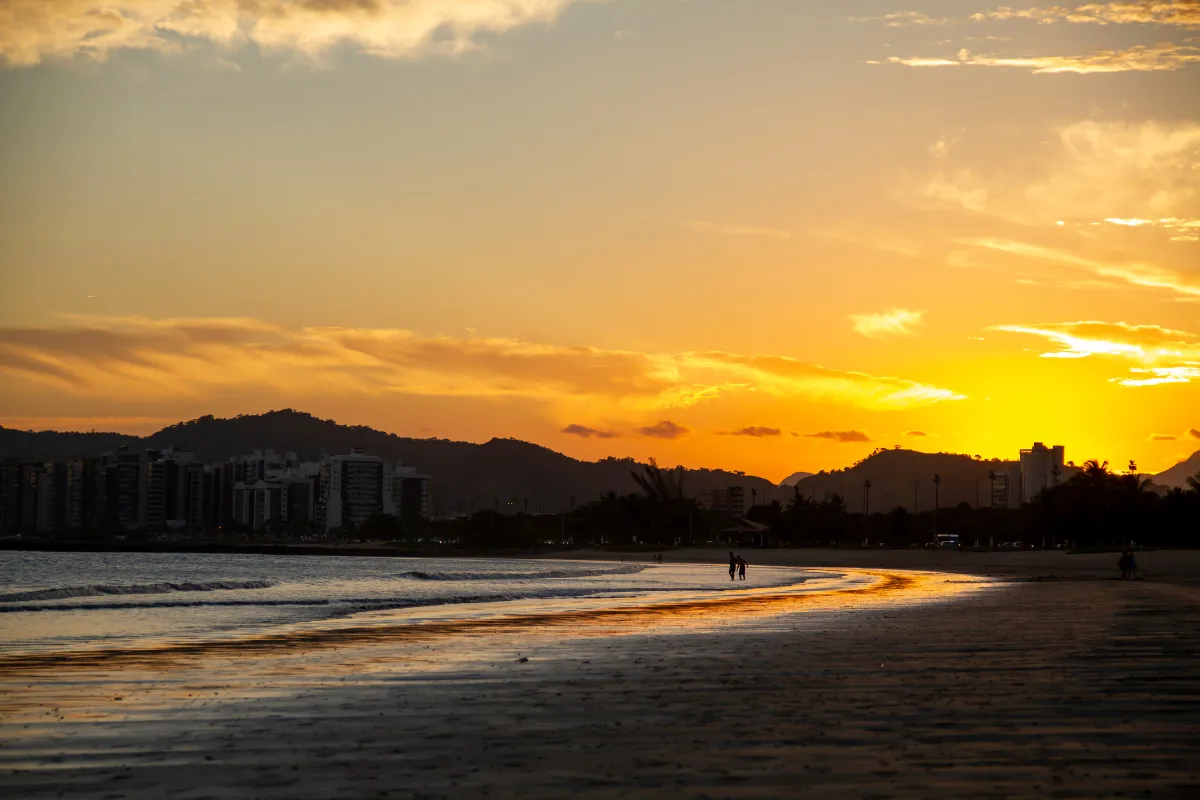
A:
x: 763, y: 235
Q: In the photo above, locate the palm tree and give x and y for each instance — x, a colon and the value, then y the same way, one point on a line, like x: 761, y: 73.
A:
x: 1194, y: 482
x: 1095, y: 469
x: 660, y: 485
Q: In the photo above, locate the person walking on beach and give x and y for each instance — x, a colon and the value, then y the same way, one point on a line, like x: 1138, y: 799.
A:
x: 1128, y: 566
x: 741, y: 568
x: 733, y: 564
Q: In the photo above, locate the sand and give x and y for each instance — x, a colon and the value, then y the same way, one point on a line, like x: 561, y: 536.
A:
x: 1056, y: 681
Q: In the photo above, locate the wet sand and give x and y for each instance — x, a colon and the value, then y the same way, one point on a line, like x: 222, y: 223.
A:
x: 1058, y: 683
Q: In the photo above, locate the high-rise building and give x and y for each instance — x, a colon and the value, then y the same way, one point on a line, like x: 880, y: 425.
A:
x: 410, y: 493
x: 51, y: 498
x: 125, y: 487
x: 730, y: 500
x: 1041, y: 468
x: 356, y: 488
x: 286, y: 499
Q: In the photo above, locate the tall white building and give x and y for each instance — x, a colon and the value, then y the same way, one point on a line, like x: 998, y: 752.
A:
x: 1041, y: 469
x: 356, y: 488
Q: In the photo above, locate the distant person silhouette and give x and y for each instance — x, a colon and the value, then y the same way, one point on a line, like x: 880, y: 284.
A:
x: 733, y: 565
x: 741, y: 568
x: 1128, y: 565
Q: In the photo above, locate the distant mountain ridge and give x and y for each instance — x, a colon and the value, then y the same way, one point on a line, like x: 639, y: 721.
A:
x: 904, y: 478
x: 506, y: 472
x: 1176, y: 477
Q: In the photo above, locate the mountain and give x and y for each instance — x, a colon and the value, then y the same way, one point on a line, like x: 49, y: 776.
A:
x: 1176, y: 477
x: 905, y: 478
x: 794, y: 478
x: 507, y: 472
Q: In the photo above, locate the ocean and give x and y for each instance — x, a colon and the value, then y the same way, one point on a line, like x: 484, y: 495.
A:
x: 70, y: 602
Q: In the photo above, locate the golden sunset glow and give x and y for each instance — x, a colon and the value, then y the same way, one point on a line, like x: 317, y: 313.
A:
x: 769, y: 237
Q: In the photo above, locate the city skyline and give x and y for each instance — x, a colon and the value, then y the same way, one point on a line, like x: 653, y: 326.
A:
x: 767, y: 241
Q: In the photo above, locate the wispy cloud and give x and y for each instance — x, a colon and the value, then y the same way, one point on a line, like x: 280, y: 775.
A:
x: 1137, y: 273
x: 919, y: 434
x: 666, y: 429
x: 1194, y: 433
x: 896, y: 322
x: 1162, y: 437
x: 34, y: 30
x: 126, y: 358
x: 1183, y: 13
x: 840, y: 436
x: 1140, y: 58
x: 584, y: 432
x: 1164, y: 355
x: 904, y: 19
x: 735, y: 230
x: 754, y: 431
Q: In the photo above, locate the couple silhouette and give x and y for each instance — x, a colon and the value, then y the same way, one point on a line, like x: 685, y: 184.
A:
x: 737, y: 567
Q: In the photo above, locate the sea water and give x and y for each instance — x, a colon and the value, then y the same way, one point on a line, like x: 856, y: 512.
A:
x: 59, y: 602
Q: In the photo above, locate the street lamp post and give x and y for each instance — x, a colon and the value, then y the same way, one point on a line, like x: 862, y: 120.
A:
x: 867, y: 510
x: 937, y: 485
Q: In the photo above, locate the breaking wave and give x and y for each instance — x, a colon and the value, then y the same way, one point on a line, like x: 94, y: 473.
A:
x: 622, y: 569
x: 143, y: 588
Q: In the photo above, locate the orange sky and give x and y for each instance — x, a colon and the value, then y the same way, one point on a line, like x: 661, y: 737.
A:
x: 768, y: 236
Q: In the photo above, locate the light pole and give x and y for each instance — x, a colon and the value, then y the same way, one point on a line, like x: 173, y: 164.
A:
x: 937, y: 485
x: 867, y: 510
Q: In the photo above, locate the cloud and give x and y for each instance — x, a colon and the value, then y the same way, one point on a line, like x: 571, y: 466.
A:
x: 1112, y: 180
x: 666, y: 429
x: 1165, y: 57
x: 916, y: 433
x: 1151, y: 276
x: 754, y: 431
x: 1164, y: 355
x: 735, y: 230
x: 840, y: 436
x: 1162, y: 437
x: 590, y: 433
x: 896, y: 322
x: 34, y: 30
x: 1182, y: 13
x: 904, y: 19
x: 127, y: 358
x: 1194, y: 433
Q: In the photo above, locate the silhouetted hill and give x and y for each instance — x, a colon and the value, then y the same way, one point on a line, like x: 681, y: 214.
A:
x: 465, y: 475
x: 898, y: 477
x: 1176, y: 477
x: 794, y: 478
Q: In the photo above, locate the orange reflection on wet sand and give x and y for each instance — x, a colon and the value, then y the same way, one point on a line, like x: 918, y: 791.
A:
x: 82, y: 686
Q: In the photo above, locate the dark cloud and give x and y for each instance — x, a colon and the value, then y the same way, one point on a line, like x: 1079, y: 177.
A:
x: 840, y: 436
x: 1194, y: 432
x: 755, y: 431
x: 1162, y: 437
x: 915, y: 433
x: 590, y: 433
x: 664, y: 430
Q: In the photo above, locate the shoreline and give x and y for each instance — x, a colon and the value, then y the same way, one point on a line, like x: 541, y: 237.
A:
x: 1057, y: 683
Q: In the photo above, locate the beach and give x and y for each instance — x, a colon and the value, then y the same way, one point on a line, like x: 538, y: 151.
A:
x: 996, y: 675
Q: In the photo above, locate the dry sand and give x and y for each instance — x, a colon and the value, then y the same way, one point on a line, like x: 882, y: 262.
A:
x: 1060, y: 683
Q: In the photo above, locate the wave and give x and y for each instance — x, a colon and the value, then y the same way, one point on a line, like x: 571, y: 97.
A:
x: 623, y: 569
x: 101, y: 590
x: 341, y: 607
